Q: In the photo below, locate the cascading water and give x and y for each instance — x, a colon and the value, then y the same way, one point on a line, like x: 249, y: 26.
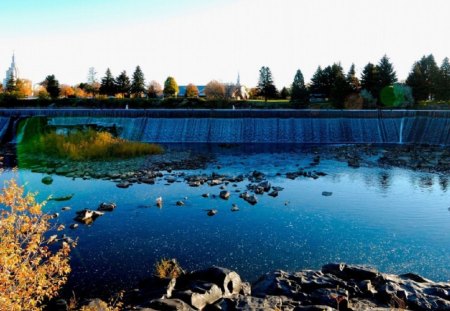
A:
x: 260, y: 126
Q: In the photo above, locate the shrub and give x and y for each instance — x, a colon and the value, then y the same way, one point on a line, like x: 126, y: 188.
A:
x: 168, y: 268
x: 29, y: 271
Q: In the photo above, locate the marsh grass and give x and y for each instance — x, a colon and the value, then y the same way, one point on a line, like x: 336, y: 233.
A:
x: 87, y: 145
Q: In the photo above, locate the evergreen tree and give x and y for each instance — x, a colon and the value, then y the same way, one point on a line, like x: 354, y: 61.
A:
x: 318, y: 82
x: 424, y: 77
x: 299, y: 93
x: 11, y: 84
x: 170, y: 87
x: 52, y: 86
x: 386, y: 72
x: 370, y: 80
x: 123, y: 84
x: 353, y: 80
x: 339, y: 88
x: 266, y: 88
x: 108, y: 84
x: 284, y: 94
x: 138, y: 83
x: 443, y: 85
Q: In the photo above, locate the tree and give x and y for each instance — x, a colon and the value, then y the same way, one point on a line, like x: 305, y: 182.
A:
x: 369, y: 79
x: 170, y: 87
x: 123, y: 84
x: 92, y: 86
x: 386, y: 73
x: 423, y: 78
x: 52, y: 86
x: 265, y: 84
x: 284, y: 93
x: 154, y: 90
x: 191, y: 90
x: 138, y: 83
x: 353, y: 80
x: 11, y: 84
x: 443, y: 83
x: 339, y: 87
x: 92, y: 76
x: 299, y: 93
x: 108, y: 84
x: 67, y: 91
x: 30, y: 272
x: 23, y: 88
x: 215, y: 90
x: 1, y: 88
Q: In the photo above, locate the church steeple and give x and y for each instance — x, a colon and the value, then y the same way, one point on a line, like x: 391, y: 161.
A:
x: 238, y: 83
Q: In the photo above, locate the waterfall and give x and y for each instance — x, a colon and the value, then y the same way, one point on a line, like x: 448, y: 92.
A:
x: 400, y: 135
x: 255, y: 126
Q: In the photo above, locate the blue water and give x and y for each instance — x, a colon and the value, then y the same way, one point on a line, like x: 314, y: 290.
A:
x: 394, y: 219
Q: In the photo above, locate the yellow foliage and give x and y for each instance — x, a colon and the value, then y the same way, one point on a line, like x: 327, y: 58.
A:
x: 29, y: 271
x: 168, y: 268
x: 90, y: 145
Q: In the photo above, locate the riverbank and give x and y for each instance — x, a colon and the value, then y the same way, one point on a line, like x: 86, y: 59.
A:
x: 336, y: 286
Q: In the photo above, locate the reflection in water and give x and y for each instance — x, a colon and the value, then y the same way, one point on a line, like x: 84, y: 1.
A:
x: 443, y: 182
x: 384, y: 180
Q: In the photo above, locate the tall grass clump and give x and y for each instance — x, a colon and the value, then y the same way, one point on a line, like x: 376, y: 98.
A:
x: 89, y: 145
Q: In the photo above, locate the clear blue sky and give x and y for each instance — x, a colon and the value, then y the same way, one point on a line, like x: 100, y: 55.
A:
x: 199, y: 40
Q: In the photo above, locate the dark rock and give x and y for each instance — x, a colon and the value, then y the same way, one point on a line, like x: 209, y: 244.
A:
x: 73, y: 226
x: 180, y: 203
x: 123, y: 185
x: 63, y: 198
x: 348, y: 272
x: 205, y: 195
x: 211, y: 212
x: 224, y: 194
x: 327, y: 193
x: 87, y: 216
x: 234, y: 208
x: 169, y: 305
x: 274, y: 193
x: 107, y: 206
x: 47, y: 180
x: 66, y: 208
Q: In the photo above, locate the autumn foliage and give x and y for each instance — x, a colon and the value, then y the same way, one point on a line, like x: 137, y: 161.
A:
x: 30, y: 271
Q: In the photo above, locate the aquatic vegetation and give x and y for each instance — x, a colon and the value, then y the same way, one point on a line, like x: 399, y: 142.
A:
x: 87, y: 145
x: 30, y: 272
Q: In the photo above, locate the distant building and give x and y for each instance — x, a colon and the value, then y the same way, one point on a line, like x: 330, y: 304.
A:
x: 12, y: 72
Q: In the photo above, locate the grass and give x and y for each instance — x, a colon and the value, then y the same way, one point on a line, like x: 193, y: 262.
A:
x: 87, y: 145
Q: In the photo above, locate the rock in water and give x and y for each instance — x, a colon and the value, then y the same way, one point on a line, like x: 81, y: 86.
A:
x: 234, y: 208
x: 224, y: 194
x: 327, y: 193
x: 47, y: 180
x: 180, y: 203
x: 107, y: 206
x: 211, y: 212
x: 159, y: 202
x: 63, y: 198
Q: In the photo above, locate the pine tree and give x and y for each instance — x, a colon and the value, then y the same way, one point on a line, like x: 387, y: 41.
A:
x: 352, y: 79
x: 423, y: 79
x: 370, y: 80
x: 170, y: 87
x: 386, y: 72
x: 318, y: 83
x: 339, y: 88
x: 299, y: 93
x: 123, y: 84
x: 443, y: 85
x: 108, y: 84
x: 284, y: 93
x: 266, y: 86
x: 11, y: 86
x: 138, y: 83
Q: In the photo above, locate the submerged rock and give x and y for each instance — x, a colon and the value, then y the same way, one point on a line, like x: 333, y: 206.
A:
x: 47, y: 180
x: 224, y: 194
x: 327, y: 193
x: 63, y: 198
x: 87, y: 216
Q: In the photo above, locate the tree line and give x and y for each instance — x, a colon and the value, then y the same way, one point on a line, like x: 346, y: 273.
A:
x: 377, y: 86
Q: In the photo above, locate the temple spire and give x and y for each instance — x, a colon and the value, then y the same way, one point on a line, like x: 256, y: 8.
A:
x: 238, y: 79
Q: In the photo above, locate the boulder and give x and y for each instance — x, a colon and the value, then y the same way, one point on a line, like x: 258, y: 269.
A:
x: 169, y: 305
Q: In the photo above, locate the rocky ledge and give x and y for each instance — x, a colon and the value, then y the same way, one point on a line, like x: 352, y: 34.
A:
x: 334, y: 287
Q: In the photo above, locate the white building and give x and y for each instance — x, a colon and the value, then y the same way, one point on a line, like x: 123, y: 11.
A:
x: 11, y: 72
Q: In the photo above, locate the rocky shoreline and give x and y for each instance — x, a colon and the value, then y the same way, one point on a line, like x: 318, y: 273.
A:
x: 336, y: 286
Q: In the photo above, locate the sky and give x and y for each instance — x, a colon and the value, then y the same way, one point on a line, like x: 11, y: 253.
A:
x: 196, y: 41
